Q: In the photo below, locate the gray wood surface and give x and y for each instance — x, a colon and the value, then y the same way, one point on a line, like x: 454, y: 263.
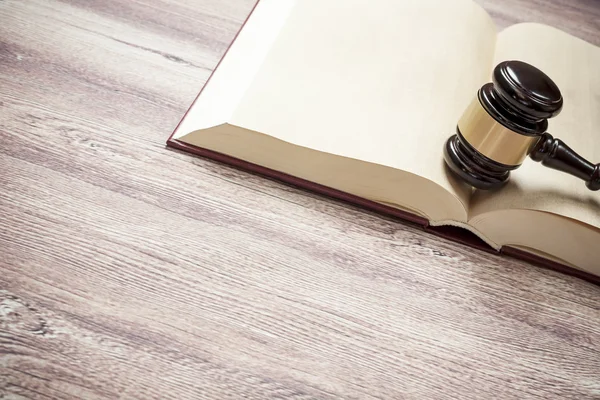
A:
x: 131, y: 271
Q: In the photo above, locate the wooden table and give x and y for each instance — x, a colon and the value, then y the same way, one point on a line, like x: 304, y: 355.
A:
x: 132, y: 271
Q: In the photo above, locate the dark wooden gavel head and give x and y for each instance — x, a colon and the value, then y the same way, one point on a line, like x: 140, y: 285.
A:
x: 505, y: 123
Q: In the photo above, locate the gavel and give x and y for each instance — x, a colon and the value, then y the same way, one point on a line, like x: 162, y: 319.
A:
x: 506, y: 122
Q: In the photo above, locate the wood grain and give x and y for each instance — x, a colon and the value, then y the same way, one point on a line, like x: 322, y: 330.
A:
x: 133, y: 271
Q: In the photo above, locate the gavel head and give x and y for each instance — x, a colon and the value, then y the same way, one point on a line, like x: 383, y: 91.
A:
x: 502, y: 124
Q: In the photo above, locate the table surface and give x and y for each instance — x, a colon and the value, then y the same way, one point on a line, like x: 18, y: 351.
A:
x: 131, y: 270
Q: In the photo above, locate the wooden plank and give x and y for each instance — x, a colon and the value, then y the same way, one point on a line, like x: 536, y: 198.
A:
x: 129, y: 270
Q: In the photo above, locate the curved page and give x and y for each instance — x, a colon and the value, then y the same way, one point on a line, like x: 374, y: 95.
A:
x: 381, y: 82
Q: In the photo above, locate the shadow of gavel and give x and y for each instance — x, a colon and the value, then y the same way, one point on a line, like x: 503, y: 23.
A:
x: 505, y: 123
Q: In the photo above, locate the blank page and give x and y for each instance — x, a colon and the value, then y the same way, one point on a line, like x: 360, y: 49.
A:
x: 383, y: 82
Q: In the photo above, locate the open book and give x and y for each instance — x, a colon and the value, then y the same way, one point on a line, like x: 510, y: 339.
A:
x: 359, y: 96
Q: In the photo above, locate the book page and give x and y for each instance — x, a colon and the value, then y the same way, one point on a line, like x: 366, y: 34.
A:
x: 383, y: 82
x: 574, y: 65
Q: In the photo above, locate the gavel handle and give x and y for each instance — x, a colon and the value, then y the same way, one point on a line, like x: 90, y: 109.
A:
x: 554, y: 153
